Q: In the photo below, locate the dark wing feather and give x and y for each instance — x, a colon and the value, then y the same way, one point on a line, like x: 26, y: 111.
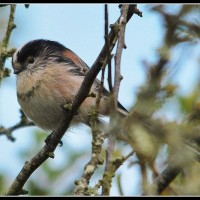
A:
x: 81, y: 68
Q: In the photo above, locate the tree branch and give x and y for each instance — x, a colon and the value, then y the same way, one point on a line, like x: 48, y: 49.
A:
x: 110, y: 173
x: 183, y: 157
x: 4, y: 53
x: 82, y: 183
x: 107, y: 40
x: 23, y: 123
x: 163, y: 180
x: 114, y: 97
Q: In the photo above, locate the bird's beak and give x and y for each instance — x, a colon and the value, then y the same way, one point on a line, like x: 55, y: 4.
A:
x: 17, y: 68
x: 17, y: 71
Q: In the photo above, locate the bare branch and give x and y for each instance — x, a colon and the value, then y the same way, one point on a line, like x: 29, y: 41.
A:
x: 82, y: 184
x: 183, y: 157
x: 107, y: 48
x: 112, y: 136
x: 109, y: 174
x: 8, y: 131
x: 163, y: 180
x: 4, y: 53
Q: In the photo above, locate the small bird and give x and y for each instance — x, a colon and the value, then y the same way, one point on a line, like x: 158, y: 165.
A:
x: 49, y: 76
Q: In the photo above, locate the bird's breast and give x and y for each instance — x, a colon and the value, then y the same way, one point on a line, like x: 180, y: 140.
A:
x: 38, y: 101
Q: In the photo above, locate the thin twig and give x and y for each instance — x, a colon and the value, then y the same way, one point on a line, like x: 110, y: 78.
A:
x: 114, y: 166
x: 112, y: 136
x: 4, y: 53
x: 8, y: 131
x: 82, y: 184
x: 10, y: 27
x: 118, y: 55
x: 107, y: 48
x: 24, y: 122
x: 163, y: 180
x: 120, y: 185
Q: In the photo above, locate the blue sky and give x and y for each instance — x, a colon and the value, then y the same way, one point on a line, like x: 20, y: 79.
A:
x: 80, y: 27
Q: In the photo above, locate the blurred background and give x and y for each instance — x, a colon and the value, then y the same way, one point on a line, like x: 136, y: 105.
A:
x: 80, y: 27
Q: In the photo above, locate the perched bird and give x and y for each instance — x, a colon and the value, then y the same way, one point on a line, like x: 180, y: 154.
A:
x: 49, y: 75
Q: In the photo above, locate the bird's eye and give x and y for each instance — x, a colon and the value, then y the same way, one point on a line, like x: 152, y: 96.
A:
x: 31, y: 60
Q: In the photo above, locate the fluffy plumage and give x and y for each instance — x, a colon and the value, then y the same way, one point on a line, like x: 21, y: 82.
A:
x: 48, y: 76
